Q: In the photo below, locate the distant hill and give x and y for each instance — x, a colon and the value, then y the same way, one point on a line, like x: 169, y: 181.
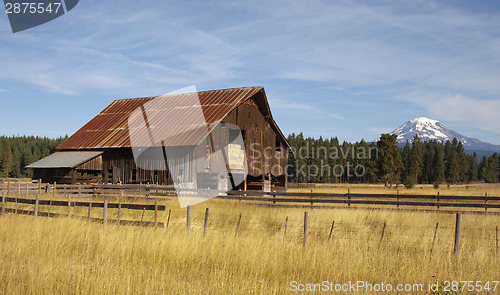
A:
x: 428, y: 129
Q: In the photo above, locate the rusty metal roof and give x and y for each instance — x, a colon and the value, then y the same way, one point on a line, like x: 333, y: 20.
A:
x: 110, y: 128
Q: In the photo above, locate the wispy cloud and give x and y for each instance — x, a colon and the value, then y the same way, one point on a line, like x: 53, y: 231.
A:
x: 478, y: 113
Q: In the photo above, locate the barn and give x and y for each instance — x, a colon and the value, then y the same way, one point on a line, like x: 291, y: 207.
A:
x: 102, y: 150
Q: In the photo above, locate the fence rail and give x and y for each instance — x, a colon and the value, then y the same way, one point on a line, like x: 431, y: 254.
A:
x: 88, y: 204
x: 437, y: 201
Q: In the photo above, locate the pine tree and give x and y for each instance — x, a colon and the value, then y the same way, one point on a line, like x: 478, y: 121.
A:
x: 390, y: 164
x: 462, y: 164
x: 6, y: 163
x: 473, y: 168
x: 439, y: 166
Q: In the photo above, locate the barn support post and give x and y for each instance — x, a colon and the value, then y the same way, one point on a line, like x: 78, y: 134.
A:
x: 456, y: 249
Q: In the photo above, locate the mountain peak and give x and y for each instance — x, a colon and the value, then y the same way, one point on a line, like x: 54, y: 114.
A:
x: 424, y: 120
x: 429, y: 129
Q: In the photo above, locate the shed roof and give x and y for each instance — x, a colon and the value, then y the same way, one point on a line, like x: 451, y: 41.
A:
x: 64, y: 159
x: 165, y: 115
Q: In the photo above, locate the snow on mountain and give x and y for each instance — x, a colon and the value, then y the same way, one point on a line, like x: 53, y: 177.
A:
x: 428, y: 129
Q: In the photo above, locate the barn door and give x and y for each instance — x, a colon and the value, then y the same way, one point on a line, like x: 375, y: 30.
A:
x: 116, y: 174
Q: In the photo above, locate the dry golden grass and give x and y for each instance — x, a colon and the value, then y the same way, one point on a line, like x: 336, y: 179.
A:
x: 69, y: 256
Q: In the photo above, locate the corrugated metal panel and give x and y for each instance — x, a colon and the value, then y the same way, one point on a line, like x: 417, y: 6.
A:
x: 64, y: 160
x: 110, y: 128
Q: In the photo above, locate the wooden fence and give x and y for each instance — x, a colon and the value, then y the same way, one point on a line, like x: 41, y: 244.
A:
x: 488, y: 204
x: 69, y: 204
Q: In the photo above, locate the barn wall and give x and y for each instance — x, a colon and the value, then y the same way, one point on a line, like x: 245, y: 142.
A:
x: 265, y: 153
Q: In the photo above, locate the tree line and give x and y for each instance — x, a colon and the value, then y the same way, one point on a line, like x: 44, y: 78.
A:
x: 417, y: 162
x: 324, y: 160
x: 18, y: 151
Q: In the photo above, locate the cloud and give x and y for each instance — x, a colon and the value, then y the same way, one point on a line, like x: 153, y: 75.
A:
x: 478, y: 113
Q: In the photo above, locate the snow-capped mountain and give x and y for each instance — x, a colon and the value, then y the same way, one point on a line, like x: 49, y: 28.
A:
x: 428, y: 129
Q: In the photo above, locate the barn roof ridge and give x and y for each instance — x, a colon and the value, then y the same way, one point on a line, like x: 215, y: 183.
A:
x: 203, y: 91
x: 109, y: 128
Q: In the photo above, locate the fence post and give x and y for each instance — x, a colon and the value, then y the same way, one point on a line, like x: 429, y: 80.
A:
x: 88, y: 213
x: 3, y: 203
x: 456, y: 249
x: 205, y: 224
x: 497, y: 240
x: 105, y: 212
x: 8, y: 186
x: 331, y: 230
x: 36, y: 206
x: 119, y: 213
x: 485, y: 202
x: 434, y: 239
x: 39, y: 186
x: 54, y: 191
x: 156, y: 212
x: 188, y: 218
x: 50, y: 205
x: 15, y: 205
x: 286, y: 225
x: 238, y: 226
x: 168, y: 218
x: 382, y: 236
x: 438, y: 200
x: 306, y: 225
x: 69, y: 205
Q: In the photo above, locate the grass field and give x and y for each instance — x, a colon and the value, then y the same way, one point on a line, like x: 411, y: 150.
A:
x: 70, y: 256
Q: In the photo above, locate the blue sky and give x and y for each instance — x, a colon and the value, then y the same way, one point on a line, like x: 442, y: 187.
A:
x: 351, y: 69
